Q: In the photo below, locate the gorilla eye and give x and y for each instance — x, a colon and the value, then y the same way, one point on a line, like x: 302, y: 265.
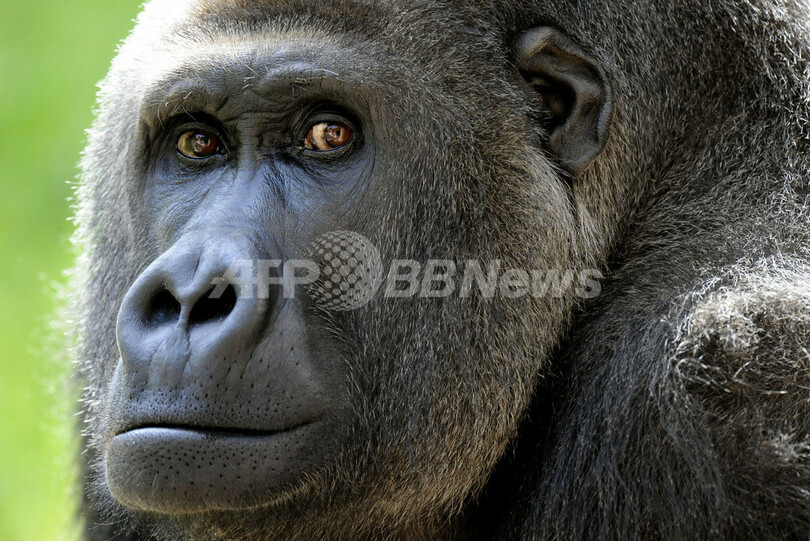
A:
x: 325, y: 136
x: 198, y: 144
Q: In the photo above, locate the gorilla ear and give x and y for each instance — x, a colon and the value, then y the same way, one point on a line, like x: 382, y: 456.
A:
x: 572, y: 89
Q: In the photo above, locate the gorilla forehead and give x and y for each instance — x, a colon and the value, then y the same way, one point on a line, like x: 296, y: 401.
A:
x: 441, y: 31
x: 242, y: 78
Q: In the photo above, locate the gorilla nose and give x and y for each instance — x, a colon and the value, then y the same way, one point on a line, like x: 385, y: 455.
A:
x: 165, y: 309
x: 190, y: 304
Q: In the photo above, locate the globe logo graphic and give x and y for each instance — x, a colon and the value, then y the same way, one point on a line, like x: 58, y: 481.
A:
x: 351, y: 270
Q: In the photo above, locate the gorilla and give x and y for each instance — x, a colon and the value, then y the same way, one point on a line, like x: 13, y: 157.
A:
x: 662, y: 143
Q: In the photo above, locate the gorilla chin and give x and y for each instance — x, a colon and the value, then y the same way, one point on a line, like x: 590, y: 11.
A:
x: 189, y: 470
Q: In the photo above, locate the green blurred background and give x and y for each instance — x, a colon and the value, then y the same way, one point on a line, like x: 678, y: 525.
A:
x: 52, y: 54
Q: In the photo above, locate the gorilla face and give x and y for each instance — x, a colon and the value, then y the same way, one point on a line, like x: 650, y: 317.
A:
x: 245, y: 136
x: 229, y: 400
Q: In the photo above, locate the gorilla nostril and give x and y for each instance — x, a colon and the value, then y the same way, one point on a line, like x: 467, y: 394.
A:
x: 211, y: 309
x: 163, y: 308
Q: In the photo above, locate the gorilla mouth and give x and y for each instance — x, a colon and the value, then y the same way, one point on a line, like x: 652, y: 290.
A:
x: 144, y: 429
x: 182, y: 468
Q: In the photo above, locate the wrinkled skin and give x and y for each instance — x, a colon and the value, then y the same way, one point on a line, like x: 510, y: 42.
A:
x: 664, y: 144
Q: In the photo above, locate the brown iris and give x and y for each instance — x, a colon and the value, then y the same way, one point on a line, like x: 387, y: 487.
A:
x: 198, y: 144
x: 325, y: 136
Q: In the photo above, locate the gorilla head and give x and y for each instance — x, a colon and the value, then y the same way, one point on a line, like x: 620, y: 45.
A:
x: 535, y: 137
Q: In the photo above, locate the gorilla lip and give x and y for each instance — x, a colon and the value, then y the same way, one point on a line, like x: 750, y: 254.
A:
x: 188, y: 469
x: 213, y: 430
